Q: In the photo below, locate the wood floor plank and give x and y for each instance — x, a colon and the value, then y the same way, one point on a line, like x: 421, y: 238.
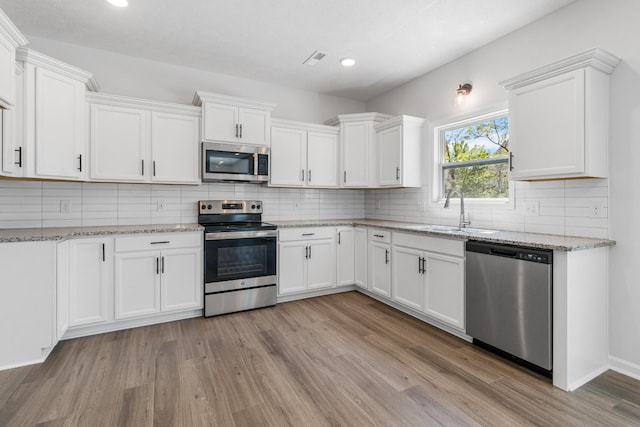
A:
x: 338, y: 360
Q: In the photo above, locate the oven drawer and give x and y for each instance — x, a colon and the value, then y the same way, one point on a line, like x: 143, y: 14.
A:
x: 158, y: 241
x: 292, y: 234
x: 247, y: 299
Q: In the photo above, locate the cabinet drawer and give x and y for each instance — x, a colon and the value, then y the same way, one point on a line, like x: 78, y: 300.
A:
x: 431, y: 244
x: 379, y: 235
x: 292, y: 234
x: 158, y: 241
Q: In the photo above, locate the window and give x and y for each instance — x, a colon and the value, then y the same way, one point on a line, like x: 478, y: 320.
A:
x: 474, y: 157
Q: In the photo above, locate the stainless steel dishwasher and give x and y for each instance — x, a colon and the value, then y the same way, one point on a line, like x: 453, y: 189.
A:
x: 509, y: 301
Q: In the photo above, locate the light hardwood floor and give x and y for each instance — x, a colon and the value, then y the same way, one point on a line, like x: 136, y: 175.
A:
x: 338, y: 360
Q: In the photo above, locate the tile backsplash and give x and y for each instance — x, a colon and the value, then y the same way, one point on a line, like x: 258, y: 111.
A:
x: 32, y: 204
x: 564, y: 207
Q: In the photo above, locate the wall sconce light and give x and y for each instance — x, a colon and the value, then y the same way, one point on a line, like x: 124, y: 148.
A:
x: 462, y: 92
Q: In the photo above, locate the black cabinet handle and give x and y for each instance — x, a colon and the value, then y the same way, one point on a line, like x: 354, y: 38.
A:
x: 424, y: 265
x: 154, y: 168
x: 302, y: 175
x: 236, y: 130
x: 308, y: 234
x: 397, y: 173
x: 378, y: 235
x: 142, y: 172
x: 345, y: 177
x: 162, y: 265
x: 309, y: 175
x: 306, y: 252
x: 339, y: 237
x: 510, y: 160
x: 104, y: 258
x: 19, y: 162
x: 157, y: 265
x: 386, y: 256
x: 240, y: 131
x: 161, y: 242
x: 80, y: 161
x: 419, y: 264
x: 309, y: 252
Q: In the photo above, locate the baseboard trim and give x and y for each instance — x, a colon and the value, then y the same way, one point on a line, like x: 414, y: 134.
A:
x: 624, y: 367
x: 315, y: 293
x: 119, y: 325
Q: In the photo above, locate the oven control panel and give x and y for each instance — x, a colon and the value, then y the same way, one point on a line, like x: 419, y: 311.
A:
x: 230, y: 206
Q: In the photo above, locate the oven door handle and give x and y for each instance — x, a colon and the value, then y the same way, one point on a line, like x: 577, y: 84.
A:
x: 229, y: 235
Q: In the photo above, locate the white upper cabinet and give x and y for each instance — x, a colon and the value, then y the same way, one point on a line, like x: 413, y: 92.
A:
x: 52, y: 117
x: 135, y: 140
x: 399, y: 142
x: 174, y: 149
x: 357, y: 148
x: 559, y: 118
x: 303, y: 155
x: 236, y: 120
x: 10, y: 39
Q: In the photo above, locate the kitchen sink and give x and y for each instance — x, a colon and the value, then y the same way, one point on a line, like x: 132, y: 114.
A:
x: 449, y: 229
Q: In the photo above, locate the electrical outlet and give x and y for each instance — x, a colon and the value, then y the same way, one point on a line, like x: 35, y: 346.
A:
x: 162, y: 205
x: 595, y: 209
x: 65, y: 206
x: 532, y: 208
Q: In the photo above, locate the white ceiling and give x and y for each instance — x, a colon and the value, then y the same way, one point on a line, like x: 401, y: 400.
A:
x: 392, y: 41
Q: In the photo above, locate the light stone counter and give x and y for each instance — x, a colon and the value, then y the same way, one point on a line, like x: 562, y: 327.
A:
x: 40, y: 234
x: 545, y: 241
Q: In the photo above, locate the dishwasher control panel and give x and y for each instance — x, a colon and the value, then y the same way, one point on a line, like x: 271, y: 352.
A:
x: 541, y: 256
x: 534, y: 257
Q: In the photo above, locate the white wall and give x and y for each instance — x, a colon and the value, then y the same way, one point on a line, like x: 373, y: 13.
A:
x: 141, y: 78
x: 610, y: 25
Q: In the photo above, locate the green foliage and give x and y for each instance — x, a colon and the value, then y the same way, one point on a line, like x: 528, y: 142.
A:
x: 484, y: 140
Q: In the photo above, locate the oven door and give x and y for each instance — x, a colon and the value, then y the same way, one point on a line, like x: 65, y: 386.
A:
x: 238, y: 260
x: 228, y: 162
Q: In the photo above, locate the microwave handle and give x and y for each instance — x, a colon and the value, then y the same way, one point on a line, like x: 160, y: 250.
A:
x: 255, y: 164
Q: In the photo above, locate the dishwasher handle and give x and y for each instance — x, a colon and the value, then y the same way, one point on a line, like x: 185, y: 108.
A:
x: 503, y: 252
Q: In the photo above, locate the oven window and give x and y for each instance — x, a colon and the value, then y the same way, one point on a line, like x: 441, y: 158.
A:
x: 239, y: 259
x: 229, y: 162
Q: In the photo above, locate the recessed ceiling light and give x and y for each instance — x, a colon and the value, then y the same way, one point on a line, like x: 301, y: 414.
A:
x: 347, y: 62
x: 119, y: 3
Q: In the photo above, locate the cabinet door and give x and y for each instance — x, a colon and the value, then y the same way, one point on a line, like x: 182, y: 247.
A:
x: 346, y: 256
x: 137, y: 284
x: 547, y: 127
x: 119, y: 143
x: 288, y: 157
x: 321, y: 271
x: 380, y: 269
x: 175, y: 143
x: 7, y: 73
x: 254, y: 126
x: 89, y: 281
x: 59, y: 126
x: 360, y: 252
x: 444, y: 297
x: 219, y: 122
x: 181, y: 271
x: 292, y: 267
x: 322, y: 160
x: 355, y: 154
x: 389, y: 150
x: 408, y: 280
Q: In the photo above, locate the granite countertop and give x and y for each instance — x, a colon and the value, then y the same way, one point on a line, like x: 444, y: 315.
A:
x: 544, y: 241
x: 40, y: 234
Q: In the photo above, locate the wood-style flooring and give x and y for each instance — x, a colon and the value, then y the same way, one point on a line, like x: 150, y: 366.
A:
x: 338, y: 360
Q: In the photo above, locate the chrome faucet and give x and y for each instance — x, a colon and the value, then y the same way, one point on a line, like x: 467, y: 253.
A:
x: 463, y: 221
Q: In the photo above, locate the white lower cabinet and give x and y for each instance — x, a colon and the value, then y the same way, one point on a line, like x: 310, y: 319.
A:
x: 157, y: 273
x: 380, y: 262
x: 345, y: 256
x: 90, y: 279
x: 428, y: 275
x: 27, y: 302
x: 360, y: 257
x: 306, y: 259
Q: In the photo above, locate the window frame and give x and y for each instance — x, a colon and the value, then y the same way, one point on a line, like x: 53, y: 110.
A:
x: 438, y: 165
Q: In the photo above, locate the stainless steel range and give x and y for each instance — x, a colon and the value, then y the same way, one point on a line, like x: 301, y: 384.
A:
x: 239, y: 256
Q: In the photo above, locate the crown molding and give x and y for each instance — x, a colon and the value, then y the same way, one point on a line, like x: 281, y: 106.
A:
x: 200, y: 97
x: 147, y: 104
x: 12, y: 33
x: 292, y: 124
x: 400, y: 120
x: 357, y: 117
x: 595, y: 58
x: 30, y: 56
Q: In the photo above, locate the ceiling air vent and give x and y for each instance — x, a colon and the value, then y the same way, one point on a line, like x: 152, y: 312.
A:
x: 314, y: 58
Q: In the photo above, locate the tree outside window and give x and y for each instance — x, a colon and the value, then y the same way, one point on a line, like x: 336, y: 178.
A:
x: 474, y: 157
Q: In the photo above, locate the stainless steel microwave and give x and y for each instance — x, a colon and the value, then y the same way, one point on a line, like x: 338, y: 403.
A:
x: 231, y: 162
